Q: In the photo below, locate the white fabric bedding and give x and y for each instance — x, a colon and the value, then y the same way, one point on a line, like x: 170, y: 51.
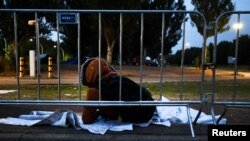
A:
x: 164, y: 115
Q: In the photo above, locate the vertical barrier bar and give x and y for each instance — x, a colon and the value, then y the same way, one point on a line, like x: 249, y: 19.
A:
x: 120, y: 55
x: 99, y: 50
x: 58, y: 58
x: 182, y: 56
x: 38, y: 55
x: 162, y: 46
x: 17, y: 56
x: 203, y: 59
x: 214, y: 69
x: 214, y: 57
x: 190, y: 121
x: 141, y: 52
x: 203, y: 72
x: 236, y: 59
x: 79, y: 55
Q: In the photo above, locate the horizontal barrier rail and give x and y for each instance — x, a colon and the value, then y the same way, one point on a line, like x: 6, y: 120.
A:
x: 98, y: 103
x: 98, y: 11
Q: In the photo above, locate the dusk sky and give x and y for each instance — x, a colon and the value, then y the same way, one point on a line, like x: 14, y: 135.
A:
x: 194, y: 39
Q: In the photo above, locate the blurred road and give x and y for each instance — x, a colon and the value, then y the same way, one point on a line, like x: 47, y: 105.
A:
x: 69, y: 75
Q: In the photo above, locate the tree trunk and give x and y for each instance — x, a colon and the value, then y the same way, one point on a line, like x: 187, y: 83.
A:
x: 110, y: 51
x: 206, y: 53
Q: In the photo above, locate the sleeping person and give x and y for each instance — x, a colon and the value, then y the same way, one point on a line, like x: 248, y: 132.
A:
x: 110, y: 83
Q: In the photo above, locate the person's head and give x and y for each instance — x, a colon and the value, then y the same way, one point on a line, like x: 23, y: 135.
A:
x: 90, y: 71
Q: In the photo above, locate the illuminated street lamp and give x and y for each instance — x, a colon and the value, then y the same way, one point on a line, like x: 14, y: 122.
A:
x: 31, y: 22
x: 238, y: 25
x: 187, y: 45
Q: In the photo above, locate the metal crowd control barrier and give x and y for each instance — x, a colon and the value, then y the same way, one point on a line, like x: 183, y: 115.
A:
x: 181, y: 102
x: 233, y: 102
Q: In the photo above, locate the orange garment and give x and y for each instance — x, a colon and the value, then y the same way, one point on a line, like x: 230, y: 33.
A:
x: 90, y: 114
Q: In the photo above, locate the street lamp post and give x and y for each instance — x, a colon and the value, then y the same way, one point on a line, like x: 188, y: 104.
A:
x: 236, y: 26
x: 182, y: 55
x: 35, y: 23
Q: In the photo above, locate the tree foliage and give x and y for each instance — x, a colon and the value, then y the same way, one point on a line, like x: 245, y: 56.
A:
x: 224, y: 49
x: 110, y: 21
x: 190, y: 55
x: 24, y: 31
x: 243, y: 50
x: 110, y: 24
x: 211, y: 9
x: 111, y: 29
x: 227, y: 48
x: 153, y: 26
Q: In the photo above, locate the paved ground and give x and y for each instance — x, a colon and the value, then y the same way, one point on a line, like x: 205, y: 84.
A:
x: 41, y: 133
x: 176, y: 132
x: 49, y: 133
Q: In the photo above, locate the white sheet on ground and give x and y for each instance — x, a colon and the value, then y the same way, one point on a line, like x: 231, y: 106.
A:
x: 7, y: 91
x: 164, y: 115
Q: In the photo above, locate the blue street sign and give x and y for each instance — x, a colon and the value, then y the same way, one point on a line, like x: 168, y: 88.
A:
x: 68, y: 18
